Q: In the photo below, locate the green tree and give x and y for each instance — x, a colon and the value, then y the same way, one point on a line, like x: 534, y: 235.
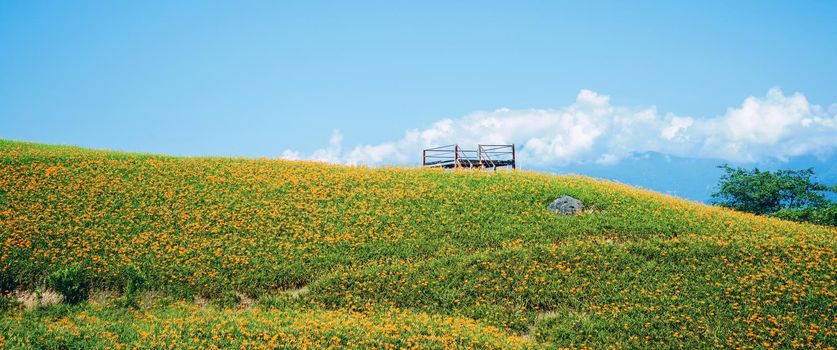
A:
x: 826, y: 215
x: 766, y: 192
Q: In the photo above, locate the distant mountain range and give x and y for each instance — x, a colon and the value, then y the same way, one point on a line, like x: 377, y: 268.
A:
x: 691, y: 178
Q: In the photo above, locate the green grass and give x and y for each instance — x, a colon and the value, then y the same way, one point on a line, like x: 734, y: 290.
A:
x: 462, y: 254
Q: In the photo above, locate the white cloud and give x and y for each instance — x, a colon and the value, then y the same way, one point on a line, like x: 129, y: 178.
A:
x: 290, y: 155
x: 677, y: 124
x: 332, y: 153
x: 593, y: 130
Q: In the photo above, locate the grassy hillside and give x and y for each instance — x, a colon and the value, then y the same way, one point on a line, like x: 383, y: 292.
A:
x: 243, y: 252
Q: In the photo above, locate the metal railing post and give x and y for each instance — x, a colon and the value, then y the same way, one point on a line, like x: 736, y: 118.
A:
x: 514, y: 159
x: 479, y: 154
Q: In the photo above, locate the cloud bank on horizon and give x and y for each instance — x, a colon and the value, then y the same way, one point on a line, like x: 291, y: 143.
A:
x: 776, y: 126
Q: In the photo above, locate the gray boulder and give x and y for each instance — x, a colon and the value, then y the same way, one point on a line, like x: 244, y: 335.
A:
x: 566, y: 205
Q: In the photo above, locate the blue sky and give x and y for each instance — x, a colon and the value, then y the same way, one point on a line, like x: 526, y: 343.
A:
x: 278, y: 78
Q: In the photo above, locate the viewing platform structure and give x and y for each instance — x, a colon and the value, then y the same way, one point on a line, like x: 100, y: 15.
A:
x: 484, y: 157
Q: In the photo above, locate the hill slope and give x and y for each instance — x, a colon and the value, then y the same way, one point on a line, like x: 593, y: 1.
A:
x: 395, y: 256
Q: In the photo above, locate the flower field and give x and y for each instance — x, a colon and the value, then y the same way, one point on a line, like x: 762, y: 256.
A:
x: 393, y: 258
x: 185, y: 325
